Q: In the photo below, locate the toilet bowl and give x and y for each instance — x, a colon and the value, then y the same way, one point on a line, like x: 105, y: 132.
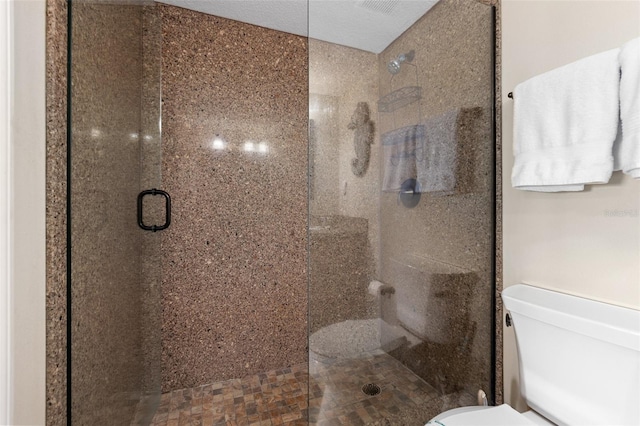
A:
x: 502, y: 415
x: 352, y: 339
x: 592, y: 375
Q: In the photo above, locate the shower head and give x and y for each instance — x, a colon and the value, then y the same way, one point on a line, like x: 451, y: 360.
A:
x: 394, y: 65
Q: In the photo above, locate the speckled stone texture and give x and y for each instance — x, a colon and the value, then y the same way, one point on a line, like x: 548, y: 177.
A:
x: 344, y: 207
x: 56, y: 219
x: 235, y: 162
x: 150, y: 143
x: 339, y: 270
x: 453, y: 55
x: 339, y: 78
x: 108, y: 314
x: 121, y: 393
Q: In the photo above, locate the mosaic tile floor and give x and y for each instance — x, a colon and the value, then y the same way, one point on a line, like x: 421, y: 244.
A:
x: 274, y: 398
x: 333, y: 393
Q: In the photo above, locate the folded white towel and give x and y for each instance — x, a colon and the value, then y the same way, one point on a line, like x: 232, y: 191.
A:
x: 626, y: 150
x: 565, y: 122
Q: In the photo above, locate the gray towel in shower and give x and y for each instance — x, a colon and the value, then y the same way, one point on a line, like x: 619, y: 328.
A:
x: 400, y: 146
x: 445, y: 166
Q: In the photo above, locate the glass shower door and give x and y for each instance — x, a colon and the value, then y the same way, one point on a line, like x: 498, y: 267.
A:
x: 115, y: 153
x: 401, y: 234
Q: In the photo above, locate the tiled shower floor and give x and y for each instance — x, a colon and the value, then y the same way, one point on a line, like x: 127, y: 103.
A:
x: 276, y: 397
x: 280, y: 397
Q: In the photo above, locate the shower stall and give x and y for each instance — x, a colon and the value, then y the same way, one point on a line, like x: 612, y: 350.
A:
x: 275, y: 227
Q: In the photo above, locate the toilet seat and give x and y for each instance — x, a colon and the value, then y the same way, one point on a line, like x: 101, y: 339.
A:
x: 502, y: 415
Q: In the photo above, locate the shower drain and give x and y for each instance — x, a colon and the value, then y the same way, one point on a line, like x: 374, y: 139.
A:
x: 371, y: 389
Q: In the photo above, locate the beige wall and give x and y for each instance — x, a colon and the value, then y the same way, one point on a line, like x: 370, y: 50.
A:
x: 26, y: 378
x: 585, y: 243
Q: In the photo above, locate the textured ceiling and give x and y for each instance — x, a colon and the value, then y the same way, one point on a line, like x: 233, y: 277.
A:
x: 369, y: 25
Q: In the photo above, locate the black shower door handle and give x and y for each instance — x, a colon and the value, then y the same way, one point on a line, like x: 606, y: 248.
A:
x: 167, y: 204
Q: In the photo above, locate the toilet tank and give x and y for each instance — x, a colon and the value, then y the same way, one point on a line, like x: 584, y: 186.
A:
x: 579, y: 359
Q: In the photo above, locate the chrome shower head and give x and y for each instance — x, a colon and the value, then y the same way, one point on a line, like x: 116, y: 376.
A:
x: 394, y: 65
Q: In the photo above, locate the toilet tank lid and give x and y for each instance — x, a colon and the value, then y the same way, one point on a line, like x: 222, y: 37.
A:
x: 599, y: 320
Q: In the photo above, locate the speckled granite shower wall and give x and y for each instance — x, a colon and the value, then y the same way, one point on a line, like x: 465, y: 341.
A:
x: 453, y: 55
x: 106, y: 244
x: 111, y: 364
x: 235, y: 162
x: 344, y: 236
x: 56, y: 219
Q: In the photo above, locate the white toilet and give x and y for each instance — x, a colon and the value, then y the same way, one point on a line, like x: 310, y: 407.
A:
x: 579, y: 363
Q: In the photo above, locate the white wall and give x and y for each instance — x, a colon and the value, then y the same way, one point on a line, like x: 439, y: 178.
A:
x: 585, y: 243
x: 22, y: 195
